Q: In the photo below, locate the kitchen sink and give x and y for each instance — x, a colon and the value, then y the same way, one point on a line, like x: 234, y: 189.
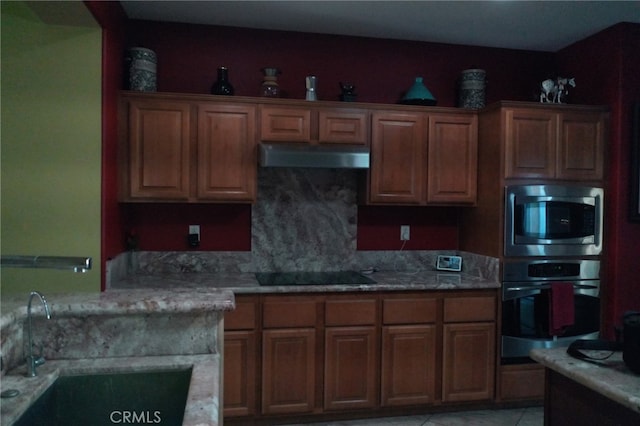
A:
x: 155, y: 397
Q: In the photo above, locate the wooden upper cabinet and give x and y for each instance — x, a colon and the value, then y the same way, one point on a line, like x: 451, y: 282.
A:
x: 581, y: 146
x: 311, y: 125
x: 182, y: 149
x: 159, y: 137
x: 530, y: 143
x: 554, y: 144
x: 397, y: 173
x: 226, y: 152
x: 452, y: 164
x: 423, y: 159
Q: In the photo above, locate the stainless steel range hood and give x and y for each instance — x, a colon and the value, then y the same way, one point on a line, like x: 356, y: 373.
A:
x: 302, y: 155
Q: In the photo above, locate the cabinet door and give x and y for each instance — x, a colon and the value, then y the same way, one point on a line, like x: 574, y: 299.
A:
x: 398, y: 143
x: 468, y: 362
x: 288, y: 375
x: 285, y: 124
x: 408, y: 365
x: 240, y: 358
x: 227, y: 159
x: 239, y: 373
x: 343, y: 127
x: 351, y: 368
x: 452, y: 159
x: 530, y: 143
x: 159, y: 149
x: 581, y: 146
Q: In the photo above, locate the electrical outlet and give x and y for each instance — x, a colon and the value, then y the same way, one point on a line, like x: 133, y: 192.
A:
x: 193, y: 239
x: 405, y: 233
x: 194, y: 229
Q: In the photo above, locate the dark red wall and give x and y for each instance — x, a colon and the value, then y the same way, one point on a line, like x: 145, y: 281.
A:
x: 382, y: 70
x: 164, y: 227
x: 434, y: 228
x: 607, y: 66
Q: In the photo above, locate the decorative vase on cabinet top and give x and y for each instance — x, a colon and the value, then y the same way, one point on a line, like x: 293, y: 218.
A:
x: 418, y: 94
x: 222, y: 86
x: 270, y: 86
x: 472, y: 89
x: 141, y: 64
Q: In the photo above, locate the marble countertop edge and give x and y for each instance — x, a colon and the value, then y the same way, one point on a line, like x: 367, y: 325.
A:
x: 246, y: 283
x: 122, y: 302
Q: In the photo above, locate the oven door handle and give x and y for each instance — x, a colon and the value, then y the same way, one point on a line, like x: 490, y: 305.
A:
x: 548, y: 286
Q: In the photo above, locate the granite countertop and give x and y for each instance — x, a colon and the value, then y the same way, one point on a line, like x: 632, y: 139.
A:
x: 610, y: 378
x: 172, y: 299
x: 201, y: 408
x: 246, y: 283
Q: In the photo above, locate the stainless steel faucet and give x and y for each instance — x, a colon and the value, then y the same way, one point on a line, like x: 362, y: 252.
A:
x: 35, y: 360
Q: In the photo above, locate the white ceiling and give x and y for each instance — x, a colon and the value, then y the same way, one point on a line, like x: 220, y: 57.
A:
x: 530, y: 25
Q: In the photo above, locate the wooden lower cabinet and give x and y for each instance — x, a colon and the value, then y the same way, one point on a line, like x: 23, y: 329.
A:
x: 288, y: 379
x: 468, y: 362
x: 351, y: 368
x: 239, y: 373
x: 240, y: 358
x: 297, y: 356
x: 408, y: 365
x: 521, y: 382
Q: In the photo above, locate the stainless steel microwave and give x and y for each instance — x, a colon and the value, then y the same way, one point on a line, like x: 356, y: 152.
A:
x: 553, y: 220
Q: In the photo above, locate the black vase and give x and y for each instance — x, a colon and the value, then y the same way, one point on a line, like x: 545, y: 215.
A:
x: 222, y: 85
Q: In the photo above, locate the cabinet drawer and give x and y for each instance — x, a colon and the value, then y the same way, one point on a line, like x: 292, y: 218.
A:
x: 289, y: 312
x: 242, y: 318
x: 462, y: 309
x: 350, y: 312
x: 285, y: 124
x: 522, y: 382
x: 337, y: 126
x: 408, y: 311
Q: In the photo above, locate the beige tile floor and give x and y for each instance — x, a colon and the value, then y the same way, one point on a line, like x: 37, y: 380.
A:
x: 532, y: 416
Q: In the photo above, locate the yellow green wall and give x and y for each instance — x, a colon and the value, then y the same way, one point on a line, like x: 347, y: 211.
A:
x: 50, y: 148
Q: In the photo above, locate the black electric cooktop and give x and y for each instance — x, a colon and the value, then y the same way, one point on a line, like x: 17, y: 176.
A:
x: 312, y: 278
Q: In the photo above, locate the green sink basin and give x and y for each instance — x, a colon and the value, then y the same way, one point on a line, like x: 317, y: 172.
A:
x: 156, y: 397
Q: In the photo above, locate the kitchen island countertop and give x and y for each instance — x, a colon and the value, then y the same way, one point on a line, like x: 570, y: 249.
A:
x: 610, y: 378
x: 246, y: 283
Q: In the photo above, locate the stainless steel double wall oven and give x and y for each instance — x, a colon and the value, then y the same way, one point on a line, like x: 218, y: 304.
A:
x: 553, y: 233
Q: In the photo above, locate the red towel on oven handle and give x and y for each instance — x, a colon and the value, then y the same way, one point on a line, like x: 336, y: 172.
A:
x: 561, y: 307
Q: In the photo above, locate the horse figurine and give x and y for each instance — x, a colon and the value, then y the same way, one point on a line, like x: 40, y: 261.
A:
x: 552, y: 91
